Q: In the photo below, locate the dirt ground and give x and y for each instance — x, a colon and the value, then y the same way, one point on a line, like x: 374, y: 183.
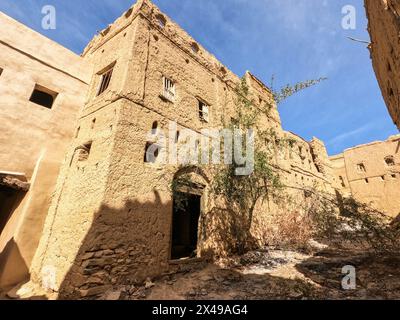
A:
x: 277, y: 274
x: 271, y: 274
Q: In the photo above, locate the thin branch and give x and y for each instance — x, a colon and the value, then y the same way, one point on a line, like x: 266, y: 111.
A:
x: 358, y: 40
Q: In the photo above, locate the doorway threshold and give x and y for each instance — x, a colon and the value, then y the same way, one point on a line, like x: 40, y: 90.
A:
x: 185, y: 261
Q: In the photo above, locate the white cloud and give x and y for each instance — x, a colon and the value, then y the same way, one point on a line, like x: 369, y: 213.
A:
x: 347, y: 135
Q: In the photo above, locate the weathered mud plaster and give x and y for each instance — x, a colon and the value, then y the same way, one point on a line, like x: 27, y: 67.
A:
x: 371, y: 174
x: 121, y: 233
x: 33, y: 139
x: 103, y: 216
x: 384, y: 28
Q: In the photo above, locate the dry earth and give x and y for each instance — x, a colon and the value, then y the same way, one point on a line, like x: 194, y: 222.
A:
x: 272, y: 274
x: 276, y: 274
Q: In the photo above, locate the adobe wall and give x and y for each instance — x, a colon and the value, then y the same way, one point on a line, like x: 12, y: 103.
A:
x: 107, y: 214
x: 111, y: 218
x: 340, y: 180
x: 370, y: 178
x: 34, y: 139
x: 384, y: 28
x: 80, y: 199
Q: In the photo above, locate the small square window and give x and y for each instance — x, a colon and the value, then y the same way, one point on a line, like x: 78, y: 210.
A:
x: 84, y: 151
x: 43, y: 96
x: 204, y: 112
x: 105, y: 80
x: 168, y: 91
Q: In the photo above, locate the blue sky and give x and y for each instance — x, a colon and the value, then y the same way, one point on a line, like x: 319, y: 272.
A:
x: 293, y: 39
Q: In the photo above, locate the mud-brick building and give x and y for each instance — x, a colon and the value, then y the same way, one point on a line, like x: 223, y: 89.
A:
x: 84, y: 209
x: 42, y: 88
x: 112, y: 219
x: 384, y: 28
x: 371, y: 174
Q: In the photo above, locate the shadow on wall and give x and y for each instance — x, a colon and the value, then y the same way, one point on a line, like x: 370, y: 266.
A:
x: 128, y: 244
x: 10, y: 199
x: 223, y: 226
x: 13, y: 269
x: 224, y: 232
x: 123, y: 246
x: 396, y: 222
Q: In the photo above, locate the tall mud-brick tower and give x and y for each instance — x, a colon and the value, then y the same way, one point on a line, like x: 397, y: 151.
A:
x: 113, y: 219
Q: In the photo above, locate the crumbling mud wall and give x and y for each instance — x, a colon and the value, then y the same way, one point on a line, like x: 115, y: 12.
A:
x: 372, y: 173
x: 111, y: 217
x: 384, y: 28
x: 340, y: 180
x: 106, y: 217
x: 34, y: 138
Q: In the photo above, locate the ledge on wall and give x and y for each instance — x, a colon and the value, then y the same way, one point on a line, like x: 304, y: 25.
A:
x: 14, y: 180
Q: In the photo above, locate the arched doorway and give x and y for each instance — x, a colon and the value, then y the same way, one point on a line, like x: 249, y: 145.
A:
x: 188, y: 205
x: 185, y: 225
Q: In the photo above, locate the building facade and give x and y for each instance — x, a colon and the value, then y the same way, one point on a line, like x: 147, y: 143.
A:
x: 95, y: 211
x: 371, y: 174
x: 41, y: 93
x: 124, y: 232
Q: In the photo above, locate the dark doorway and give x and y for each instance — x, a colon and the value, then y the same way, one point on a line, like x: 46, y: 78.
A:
x: 185, y: 225
x: 9, y: 199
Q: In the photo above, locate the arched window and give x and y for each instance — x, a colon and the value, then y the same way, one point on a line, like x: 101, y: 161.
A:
x: 161, y: 20
x: 151, y: 152
x: 195, y: 47
x: 361, y: 167
x: 128, y: 13
x: 389, y: 161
